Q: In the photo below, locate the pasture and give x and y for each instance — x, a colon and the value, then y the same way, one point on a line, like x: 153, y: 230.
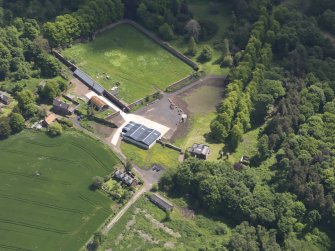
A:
x: 125, y: 55
x: 145, y: 227
x: 45, y: 200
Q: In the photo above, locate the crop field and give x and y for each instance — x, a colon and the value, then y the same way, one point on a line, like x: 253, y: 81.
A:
x: 45, y: 200
x: 125, y: 55
x: 145, y: 227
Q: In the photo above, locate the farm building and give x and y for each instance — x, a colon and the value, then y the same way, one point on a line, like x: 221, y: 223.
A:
x: 160, y: 202
x: 199, y: 151
x: 48, y: 120
x: 140, y: 135
x: 82, y: 76
x: 61, y: 107
x: 116, y: 119
x: 98, y: 104
x: 4, y: 99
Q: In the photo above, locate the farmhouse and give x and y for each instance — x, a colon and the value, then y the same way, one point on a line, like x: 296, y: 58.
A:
x: 82, y: 76
x: 61, y: 107
x: 160, y: 202
x: 199, y: 151
x: 125, y: 177
x: 4, y: 99
x: 98, y: 104
x: 140, y: 135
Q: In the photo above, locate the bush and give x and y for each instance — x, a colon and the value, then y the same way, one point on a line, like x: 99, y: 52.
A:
x: 65, y: 122
x: 206, y: 54
x: 55, y: 129
x: 227, y: 61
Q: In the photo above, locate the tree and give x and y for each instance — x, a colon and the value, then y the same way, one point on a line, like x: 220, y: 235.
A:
x: 192, y: 47
x: 4, y: 128
x: 55, y: 129
x: 193, y: 29
x: 235, y: 136
x: 27, y: 102
x: 16, y: 122
x: 97, y: 182
x: 166, y: 32
x: 128, y: 167
x: 226, y: 50
x: 227, y: 61
x: 263, y: 147
x: 206, y: 54
x: 50, y: 91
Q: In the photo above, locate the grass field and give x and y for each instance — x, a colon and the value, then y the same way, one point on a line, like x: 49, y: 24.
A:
x: 129, y: 57
x: 158, y: 154
x: 45, y: 201
x: 144, y: 227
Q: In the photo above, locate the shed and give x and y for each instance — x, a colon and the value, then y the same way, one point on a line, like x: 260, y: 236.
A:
x: 4, y: 99
x: 82, y: 76
x: 199, y: 151
x: 49, y: 119
x: 97, y: 103
x: 161, y: 202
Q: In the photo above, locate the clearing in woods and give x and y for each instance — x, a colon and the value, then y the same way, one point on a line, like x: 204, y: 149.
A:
x: 125, y: 55
x: 45, y: 200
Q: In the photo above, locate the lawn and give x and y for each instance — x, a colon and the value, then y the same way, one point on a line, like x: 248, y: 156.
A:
x: 158, y: 154
x: 144, y: 227
x: 45, y: 200
x: 200, y: 10
x: 125, y: 55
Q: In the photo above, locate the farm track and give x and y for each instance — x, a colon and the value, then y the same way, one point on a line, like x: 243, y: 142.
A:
x: 27, y: 225
x: 27, y: 154
x: 32, y: 176
x: 4, y: 196
x: 42, y: 144
x: 13, y: 248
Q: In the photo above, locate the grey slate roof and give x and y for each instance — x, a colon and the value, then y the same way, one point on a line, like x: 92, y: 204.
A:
x: 140, y: 133
x: 60, y: 104
x: 4, y: 98
x: 89, y: 82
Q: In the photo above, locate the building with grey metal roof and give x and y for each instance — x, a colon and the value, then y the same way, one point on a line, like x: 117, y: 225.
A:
x: 161, y: 202
x: 89, y: 82
x: 140, y: 135
x: 199, y: 151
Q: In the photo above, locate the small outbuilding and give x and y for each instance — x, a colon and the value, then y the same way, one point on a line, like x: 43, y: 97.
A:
x: 97, y: 103
x: 161, y: 202
x: 48, y: 120
x: 4, y: 99
x: 199, y: 151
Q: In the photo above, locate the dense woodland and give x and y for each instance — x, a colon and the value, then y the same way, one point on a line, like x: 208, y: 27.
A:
x: 282, y: 79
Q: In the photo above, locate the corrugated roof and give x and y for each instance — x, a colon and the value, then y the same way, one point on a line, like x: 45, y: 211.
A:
x: 97, y: 101
x: 141, y: 133
x: 88, y: 81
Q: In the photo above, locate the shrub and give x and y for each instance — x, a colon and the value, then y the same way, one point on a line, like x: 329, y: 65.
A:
x: 227, y: 61
x: 206, y: 54
x: 55, y: 129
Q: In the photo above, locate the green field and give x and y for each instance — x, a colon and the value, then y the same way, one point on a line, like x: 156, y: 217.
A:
x: 45, y: 201
x: 144, y: 227
x: 158, y: 154
x: 127, y: 56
